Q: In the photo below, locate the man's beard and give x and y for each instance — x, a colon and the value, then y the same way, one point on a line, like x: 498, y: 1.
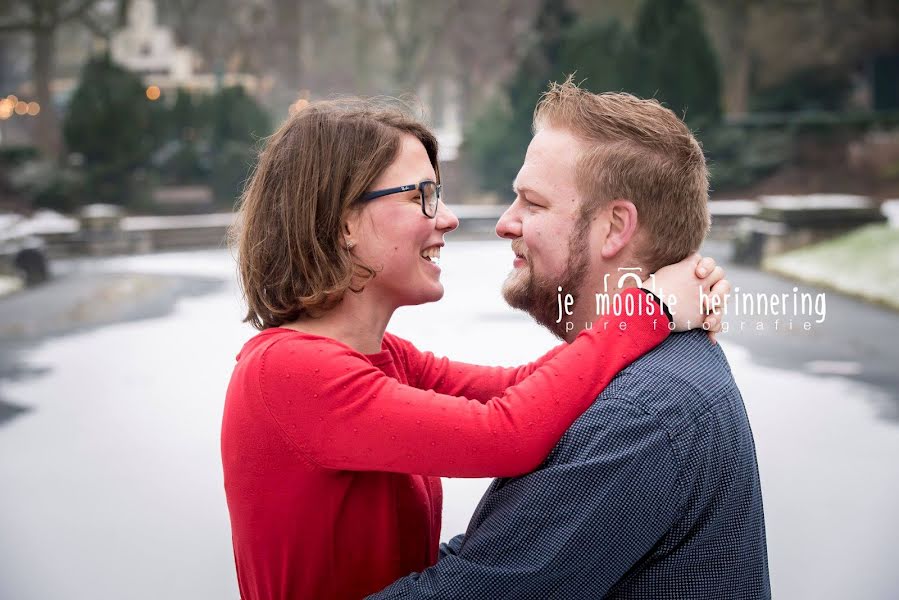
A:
x: 537, y: 296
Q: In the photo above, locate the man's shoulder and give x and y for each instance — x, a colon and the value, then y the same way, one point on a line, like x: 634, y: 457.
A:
x: 677, y: 384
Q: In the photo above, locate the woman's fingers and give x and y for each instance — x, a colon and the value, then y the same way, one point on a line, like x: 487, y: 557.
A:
x: 705, y: 266
x: 714, y: 276
x: 712, y: 325
x: 717, y: 301
x: 718, y: 296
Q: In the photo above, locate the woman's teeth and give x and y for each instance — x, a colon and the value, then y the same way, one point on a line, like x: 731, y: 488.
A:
x: 432, y: 254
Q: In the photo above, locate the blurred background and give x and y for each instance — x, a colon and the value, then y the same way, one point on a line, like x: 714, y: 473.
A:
x: 127, y: 129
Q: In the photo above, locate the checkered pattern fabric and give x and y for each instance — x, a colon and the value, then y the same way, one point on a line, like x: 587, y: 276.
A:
x: 652, y: 494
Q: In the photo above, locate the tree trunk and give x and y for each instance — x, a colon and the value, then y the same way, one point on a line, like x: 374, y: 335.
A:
x: 47, y: 135
x: 737, y: 96
x: 736, y: 79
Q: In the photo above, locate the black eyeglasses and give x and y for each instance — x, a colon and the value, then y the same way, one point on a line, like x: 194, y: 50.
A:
x: 430, y: 195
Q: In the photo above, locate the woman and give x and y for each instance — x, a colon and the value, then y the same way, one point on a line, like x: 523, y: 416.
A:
x: 335, y: 432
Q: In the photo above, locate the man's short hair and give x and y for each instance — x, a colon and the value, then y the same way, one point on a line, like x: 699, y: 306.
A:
x: 637, y: 150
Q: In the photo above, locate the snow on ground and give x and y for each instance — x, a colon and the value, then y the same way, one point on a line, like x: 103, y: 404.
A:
x: 863, y: 263
x: 112, y: 482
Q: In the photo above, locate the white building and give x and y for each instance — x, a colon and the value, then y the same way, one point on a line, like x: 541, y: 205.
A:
x: 149, y: 49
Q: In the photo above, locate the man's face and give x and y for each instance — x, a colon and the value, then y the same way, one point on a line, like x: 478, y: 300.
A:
x: 551, y: 249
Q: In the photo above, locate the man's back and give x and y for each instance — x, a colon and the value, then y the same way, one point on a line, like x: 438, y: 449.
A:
x: 653, y: 493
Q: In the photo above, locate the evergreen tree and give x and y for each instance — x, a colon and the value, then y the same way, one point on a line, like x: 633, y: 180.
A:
x: 237, y: 117
x: 498, y: 140
x: 677, y: 62
x: 237, y: 124
x: 668, y: 57
x: 602, y: 55
x: 113, y: 126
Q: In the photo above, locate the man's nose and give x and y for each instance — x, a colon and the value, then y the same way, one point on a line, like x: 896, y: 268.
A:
x: 509, y: 225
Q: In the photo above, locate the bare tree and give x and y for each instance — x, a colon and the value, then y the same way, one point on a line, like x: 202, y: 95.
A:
x: 763, y: 42
x: 41, y: 19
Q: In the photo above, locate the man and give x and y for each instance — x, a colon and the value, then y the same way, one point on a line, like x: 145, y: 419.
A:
x: 654, y: 492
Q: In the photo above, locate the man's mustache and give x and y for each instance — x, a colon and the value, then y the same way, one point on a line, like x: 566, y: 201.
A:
x: 519, y: 249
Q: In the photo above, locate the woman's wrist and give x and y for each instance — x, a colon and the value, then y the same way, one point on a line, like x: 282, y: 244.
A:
x: 660, y: 302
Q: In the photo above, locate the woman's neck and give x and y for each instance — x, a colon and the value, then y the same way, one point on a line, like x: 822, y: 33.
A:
x: 358, y: 321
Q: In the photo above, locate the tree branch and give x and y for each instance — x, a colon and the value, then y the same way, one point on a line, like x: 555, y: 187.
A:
x: 13, y: 26
x: 76, y: 13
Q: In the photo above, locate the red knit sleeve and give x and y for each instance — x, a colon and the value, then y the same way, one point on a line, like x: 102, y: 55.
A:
x: 475, y: 382
x: 341, y: 412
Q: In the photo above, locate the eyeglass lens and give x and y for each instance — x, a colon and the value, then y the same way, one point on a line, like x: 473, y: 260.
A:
x: 430, y: 198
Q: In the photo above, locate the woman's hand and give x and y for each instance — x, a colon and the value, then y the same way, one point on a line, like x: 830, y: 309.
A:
x: 694, y: 290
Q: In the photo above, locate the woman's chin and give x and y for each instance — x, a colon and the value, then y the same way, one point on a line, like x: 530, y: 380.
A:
x: 433, y: 294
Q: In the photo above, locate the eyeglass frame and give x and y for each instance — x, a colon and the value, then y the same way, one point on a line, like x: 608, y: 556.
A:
x: 438, y: 187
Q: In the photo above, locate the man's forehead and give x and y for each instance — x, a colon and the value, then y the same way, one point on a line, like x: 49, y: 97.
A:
x: 550, y: 164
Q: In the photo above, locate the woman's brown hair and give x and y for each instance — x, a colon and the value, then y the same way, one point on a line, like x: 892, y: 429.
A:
x: 292, y: 259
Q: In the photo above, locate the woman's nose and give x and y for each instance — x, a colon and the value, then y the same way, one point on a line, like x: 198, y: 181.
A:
x: 446, y: 220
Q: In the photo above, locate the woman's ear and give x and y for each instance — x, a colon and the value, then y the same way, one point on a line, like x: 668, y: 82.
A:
x: 350, y: 229
x: 622, y: 225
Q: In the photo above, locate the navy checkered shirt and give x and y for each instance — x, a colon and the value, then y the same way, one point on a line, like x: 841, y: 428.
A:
x: 653, y: 493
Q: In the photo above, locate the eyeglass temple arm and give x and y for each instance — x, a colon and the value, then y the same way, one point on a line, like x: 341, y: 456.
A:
x: 396, y: 190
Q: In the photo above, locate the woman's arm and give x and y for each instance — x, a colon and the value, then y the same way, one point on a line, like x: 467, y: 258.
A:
x: 456, y: 378
x: 343, y: 413
x: 480, y: 382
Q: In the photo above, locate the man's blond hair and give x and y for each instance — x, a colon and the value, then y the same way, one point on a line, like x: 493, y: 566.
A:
x: 637, y: 150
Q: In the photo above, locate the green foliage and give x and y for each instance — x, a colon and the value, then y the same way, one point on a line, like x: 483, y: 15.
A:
x: 495, y: 144
x: 739, y: 156
x: 15, y: 155
x: 602, y: 55
x: 113, y: 126
x: 668, y: 57
x: 63, y: 191
x: 230, y: 169
x: 214, y: 141
x: 128, y: 143
x: 236, y: 117
x: 677, y: 62
x: 815, y: 88
x: 497, y: 140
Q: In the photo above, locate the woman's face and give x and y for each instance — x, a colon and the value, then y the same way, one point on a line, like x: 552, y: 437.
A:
x: 393, y: 236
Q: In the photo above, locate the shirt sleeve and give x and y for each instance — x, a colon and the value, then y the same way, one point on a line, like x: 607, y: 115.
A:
x: 341, y: 412
x: 572, y: 529
x: 456, y: 378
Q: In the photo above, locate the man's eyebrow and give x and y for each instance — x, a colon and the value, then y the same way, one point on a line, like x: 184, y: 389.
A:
x: 523, y: 190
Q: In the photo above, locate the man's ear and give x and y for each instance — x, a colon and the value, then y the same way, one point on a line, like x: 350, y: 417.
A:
x: 621, y: 226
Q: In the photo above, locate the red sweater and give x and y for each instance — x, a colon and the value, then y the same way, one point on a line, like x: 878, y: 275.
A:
x: 318, y: 443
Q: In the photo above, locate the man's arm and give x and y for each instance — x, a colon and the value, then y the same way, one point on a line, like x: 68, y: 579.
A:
x: 451, y: 548
x: 571, y: 529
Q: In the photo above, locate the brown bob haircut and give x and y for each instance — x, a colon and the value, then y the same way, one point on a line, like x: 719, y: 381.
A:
x: 637, y: 150
x: 292, y: 258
